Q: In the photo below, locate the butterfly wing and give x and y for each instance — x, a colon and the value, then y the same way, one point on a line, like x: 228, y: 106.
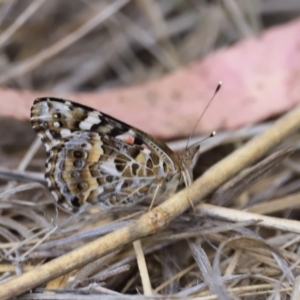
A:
x: 93, y: 157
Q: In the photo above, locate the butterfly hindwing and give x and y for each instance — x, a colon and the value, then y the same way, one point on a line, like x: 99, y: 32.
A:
x: 93, y: 157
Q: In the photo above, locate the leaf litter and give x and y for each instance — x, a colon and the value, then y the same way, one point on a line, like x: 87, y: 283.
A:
x: 199, y: 254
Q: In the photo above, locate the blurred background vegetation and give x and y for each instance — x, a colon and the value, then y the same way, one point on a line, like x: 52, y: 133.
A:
x: 88, y: 45
x: 62, y: 46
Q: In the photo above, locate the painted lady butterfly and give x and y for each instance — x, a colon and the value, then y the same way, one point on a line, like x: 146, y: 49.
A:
x: 94, y: 158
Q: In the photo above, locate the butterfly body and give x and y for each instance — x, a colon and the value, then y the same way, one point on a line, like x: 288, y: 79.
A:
x: 94, y: 158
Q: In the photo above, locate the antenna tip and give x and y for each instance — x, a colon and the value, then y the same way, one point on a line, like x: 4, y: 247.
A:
x: 218, y: 86
x: 213, y: 133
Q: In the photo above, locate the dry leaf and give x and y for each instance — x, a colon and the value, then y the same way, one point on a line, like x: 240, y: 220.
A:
x: 260, y: 75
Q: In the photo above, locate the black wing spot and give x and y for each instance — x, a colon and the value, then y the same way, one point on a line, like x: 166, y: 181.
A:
x: 109, y: 178
x: 75, y: 201
x: 120, y: 166
x: 55, y: 134
x: 138, y: 141
x: 115, y: 132
x: 78, y: 154
x: 76, y: 124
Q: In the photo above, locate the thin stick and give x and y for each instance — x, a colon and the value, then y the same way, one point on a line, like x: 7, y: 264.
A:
x: 34, y: 147
x: 140, y: 257
x: 234, y: 215
x: 26, y: 160
x: 160, y: 216
x: 23, y: 17
x: 33, y: 62
x: 154, y: 197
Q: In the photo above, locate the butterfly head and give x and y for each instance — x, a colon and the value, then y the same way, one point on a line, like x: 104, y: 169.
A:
x: 190, y: 155
x: 189, y: 159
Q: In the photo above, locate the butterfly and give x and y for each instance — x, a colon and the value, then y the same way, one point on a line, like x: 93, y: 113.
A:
x: 95, y: 158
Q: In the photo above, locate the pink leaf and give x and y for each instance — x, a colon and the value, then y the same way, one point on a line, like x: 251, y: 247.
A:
x: 261, y: 78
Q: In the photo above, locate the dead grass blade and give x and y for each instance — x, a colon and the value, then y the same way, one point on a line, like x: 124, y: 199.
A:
x: 234, y: 187
x: 67, y: 41
x: 159, y: 217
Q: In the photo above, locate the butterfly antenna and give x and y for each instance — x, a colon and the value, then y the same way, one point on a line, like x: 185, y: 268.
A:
x: 206, y: 107
x: 212, y: 134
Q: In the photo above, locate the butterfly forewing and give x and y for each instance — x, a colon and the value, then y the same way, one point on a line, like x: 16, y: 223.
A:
x: 95, y: 158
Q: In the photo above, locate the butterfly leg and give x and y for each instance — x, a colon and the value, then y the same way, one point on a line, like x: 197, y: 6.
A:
x: 187, y: 186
